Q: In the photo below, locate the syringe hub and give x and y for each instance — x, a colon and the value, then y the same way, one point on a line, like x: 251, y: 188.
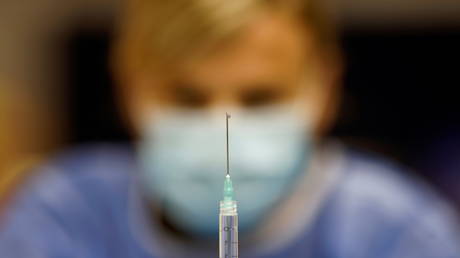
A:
x: 228, y: 205
x: 228, y: 189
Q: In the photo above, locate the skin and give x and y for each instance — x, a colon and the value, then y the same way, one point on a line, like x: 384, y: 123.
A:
x: 273, y: 60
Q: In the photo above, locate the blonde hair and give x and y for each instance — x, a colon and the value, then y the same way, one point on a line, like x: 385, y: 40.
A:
x: 161, y: 32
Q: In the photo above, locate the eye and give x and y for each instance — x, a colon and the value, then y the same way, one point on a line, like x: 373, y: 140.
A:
x: 188, y: 96
x: 261, y: 96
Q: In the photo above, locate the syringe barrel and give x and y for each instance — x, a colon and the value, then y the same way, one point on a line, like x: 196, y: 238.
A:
x: 228, y: 236
x: 228, y: 230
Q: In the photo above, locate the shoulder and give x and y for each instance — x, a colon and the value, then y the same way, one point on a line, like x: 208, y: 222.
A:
x: 372, y: 180
x: 83, y: 160
x: 379, y: 203
x: 369, y: 180
x: 79, y: 178
x: 107, y: 164
x: 70, y: 203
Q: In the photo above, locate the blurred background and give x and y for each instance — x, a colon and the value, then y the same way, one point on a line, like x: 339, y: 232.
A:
x: 402, y: 62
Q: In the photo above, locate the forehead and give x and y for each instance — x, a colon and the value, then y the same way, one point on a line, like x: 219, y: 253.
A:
x: 270, y: 46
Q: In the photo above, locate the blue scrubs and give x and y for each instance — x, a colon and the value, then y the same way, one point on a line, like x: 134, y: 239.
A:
x: 87, y: 204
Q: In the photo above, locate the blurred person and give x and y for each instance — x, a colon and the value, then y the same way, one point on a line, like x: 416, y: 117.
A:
x: 181, y: 64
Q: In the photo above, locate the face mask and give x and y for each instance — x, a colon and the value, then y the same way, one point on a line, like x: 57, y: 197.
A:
x: 183, y: 158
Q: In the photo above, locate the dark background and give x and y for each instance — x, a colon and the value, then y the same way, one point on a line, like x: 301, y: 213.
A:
x: 400, y: 97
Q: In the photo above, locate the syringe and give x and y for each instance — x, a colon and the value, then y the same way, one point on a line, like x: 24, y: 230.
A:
x: 228, y: 216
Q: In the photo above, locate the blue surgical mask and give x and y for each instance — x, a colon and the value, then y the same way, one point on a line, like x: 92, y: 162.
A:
x: 183, y: 159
